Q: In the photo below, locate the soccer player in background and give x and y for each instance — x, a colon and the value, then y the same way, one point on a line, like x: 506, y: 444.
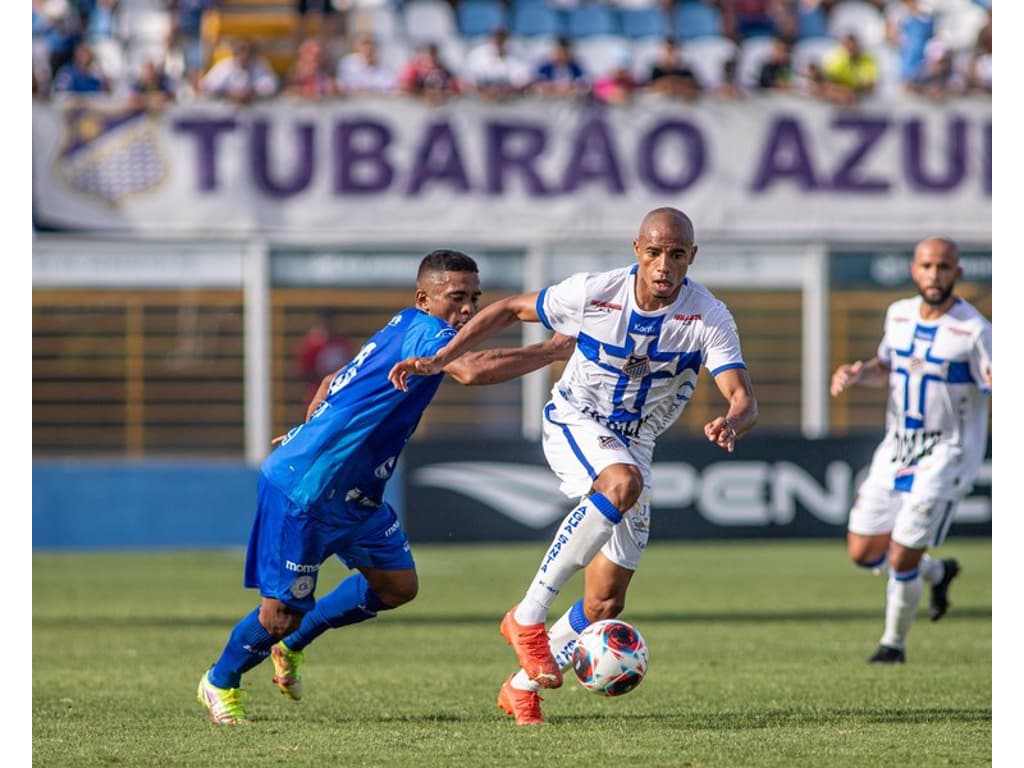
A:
x: 321, y: 491
x: 936, y: 357
x: 642, y: 332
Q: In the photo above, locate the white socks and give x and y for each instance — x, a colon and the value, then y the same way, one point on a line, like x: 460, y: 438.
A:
x: 902, y: 595
x: 580, y: 536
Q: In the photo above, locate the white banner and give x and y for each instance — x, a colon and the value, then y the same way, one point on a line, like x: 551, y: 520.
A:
x: 526, y: 172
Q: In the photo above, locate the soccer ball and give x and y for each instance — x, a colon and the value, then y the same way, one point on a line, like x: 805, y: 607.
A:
x: 610, y: 658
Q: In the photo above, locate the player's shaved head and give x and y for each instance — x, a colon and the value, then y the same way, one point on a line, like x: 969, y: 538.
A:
x: 436, y: 263
x: 938, y: 246
x: 667, y: 221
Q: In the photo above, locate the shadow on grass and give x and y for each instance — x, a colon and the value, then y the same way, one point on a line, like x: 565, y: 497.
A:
x: 640, y: 617
x: 699, y: 721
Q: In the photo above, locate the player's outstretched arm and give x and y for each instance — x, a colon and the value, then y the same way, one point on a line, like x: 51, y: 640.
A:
x: 735, y: 386
x: 493, y: 366
x: 321, y: 394
x: 487, y: 323
x: 868, y: 373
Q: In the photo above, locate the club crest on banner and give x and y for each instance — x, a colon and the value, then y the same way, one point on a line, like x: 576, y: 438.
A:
x: 110, y: 154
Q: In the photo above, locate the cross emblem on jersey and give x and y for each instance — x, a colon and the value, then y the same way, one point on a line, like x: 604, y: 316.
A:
x: 917, y: 366
x: 637, y: 363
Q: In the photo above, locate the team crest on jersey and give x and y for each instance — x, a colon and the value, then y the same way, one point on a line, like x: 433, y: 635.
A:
x: 302, y: 586
x: 609, y: 442
x: 637, y: 367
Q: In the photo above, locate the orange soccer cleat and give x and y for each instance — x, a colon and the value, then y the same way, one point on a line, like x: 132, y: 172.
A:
x: 530, y: 642
x: 524, y: 706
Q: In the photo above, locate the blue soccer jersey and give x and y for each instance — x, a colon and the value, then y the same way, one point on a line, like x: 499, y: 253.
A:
x: 349, y: 447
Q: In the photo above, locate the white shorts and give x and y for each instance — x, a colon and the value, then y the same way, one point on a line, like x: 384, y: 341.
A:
x: 915, y: 521
x: 917, y: 518
x: 578, y: 449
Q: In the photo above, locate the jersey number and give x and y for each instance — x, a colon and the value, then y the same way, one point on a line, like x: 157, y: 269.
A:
x: 342, y: 379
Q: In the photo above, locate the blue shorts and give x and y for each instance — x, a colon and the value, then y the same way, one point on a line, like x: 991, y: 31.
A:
x: 287, y: 546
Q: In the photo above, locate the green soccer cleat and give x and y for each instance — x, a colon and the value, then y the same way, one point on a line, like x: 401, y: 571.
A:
x: 286, y: 669
x: 224, y: 704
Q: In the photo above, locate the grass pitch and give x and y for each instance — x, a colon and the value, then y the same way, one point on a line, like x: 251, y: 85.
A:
x: 757, y: 658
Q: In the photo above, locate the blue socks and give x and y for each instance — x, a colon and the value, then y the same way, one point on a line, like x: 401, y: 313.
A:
x: 248, y: 645
x: 351, y: 601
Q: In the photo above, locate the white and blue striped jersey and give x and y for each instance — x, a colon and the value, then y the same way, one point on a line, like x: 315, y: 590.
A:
x: 937, y: 410
x: 634, y: 371
x: 350, y: 445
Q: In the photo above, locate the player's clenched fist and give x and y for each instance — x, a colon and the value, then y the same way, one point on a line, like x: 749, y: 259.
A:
x: 845, y: 375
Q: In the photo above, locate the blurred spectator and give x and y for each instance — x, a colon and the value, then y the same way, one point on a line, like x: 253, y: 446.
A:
x: 847, y: 73
x: 671, y: 76
x: 324, y: 349
x: 561, y: 74
x: 940, y: 79
x: 362, y: 71
x: 494, y: 71
x: 310, y: 75
x: 618, y: 86
x: 59, y: 25
x: 242, y: 76
x: 729, y: 87
x: 151, y: 86
x: 82, y: 74
x: 326, y: 23
x: 909, y: 26
x: 426, y: 76
x: 103, y: 20
x: 978, y: 69
x: 743, y: 19
x: 186, y: 24
x: 777, y: 70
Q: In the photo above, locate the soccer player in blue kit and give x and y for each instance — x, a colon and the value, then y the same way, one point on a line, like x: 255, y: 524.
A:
x: 321, y: 491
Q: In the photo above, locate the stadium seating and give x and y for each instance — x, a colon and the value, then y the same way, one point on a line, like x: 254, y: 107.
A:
x: 706, y: 57
x: 958, y: 22
x: 428, y: 20
x: 753, y: 53
x: 599, y: 54
x: 477, y: 18
x: 590, y: 19
x: 811, y: 51
x: 811, y: 22
x: 695, y: 20
x: 535, y: 18
x: 381, y: 20
x: 638, y: 23
x: 860, y: 18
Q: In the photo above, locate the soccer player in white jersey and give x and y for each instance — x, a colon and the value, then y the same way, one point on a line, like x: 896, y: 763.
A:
x: 936, y: 357
x: 642, y: 333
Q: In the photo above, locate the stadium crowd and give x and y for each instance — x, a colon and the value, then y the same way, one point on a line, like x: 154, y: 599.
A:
x: 167, y: 51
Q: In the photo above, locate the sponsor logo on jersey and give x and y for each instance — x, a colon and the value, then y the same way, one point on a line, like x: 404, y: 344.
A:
x: 637, y: 367
x: 608, y: 442
x: 302, y: 586
x: 607, y: 305
x: 444, y: 332
x: 913, y: 445
x: 386, y: 468
x: 687, y: 319
x: 960, y: 331
x: 301, y: 567
x: 395, y: 320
